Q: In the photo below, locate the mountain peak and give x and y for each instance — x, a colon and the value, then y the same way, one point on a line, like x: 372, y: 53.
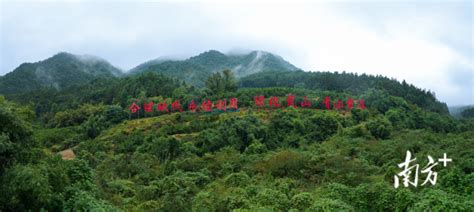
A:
x: 60, y: 56
x: 211, y: 54
x: 196, y: 69
x: 63, y: 54
x: 59, y: 71
x: 83, y: 58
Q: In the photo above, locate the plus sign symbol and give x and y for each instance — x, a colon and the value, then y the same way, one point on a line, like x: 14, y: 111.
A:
x: 445, y: 160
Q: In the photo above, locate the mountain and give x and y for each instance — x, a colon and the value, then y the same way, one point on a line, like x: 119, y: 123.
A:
x: 195, y: 70
x: 257, y: 69
x: 147, y: 64
x: 456, y: 111
x: 60, y: 71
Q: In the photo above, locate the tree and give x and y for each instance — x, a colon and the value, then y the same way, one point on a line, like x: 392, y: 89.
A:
x: 164, y: 148
x: 379, y: 127
x: 15, y: 133
x: 302, y: 200
x: 397, y: 117
x: 94, y: 126
x: 85, y: 201
x: 114, y: 114
x: 468, y: 113
x: 325, y: 204
x: 222, y: 82
x: 272, y: 198
x: 322, y: 125
x: 26, y: 188
x: 215, y: 84
x: 230, y: 83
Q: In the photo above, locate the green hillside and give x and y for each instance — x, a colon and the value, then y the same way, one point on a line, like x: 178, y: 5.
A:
x: 256, y: 159
x: 58, y: 72
x: 81, y: 148
x: 347, y: 82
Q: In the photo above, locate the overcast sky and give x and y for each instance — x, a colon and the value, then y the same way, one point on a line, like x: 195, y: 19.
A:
x: 427, y: 44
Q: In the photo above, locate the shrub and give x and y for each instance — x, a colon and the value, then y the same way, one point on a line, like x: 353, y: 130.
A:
x: 302, y: 201
x: 330, y: 205
x: 379, y: 127
x: 94, y: 126
x: 272, y: 198
x: 321, y: 126
x: 237, y: 179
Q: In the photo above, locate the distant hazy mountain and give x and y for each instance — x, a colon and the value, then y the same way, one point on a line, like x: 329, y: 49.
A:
x: 195, y: 70
x: 457, y: 110
x: 64, y: 69
x: 60, y: 71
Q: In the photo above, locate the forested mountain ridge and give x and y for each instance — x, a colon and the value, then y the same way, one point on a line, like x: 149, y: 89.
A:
x: 195, y: 70
x: 346, y: 82
x: 64, y: 69
x: 57, y: 72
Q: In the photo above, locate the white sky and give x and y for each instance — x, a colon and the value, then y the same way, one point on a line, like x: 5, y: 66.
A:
x: 427, y: 44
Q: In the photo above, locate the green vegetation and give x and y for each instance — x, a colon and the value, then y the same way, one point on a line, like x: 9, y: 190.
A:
x: 468, y: 113
x: 197, y: 69
x: 58, y: 72
x: 249, y: 159
x: 351, y: 83
x: 221, y: 83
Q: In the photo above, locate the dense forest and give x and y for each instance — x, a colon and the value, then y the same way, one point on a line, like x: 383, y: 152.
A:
x: 81, y: 148
x: 347, y: 82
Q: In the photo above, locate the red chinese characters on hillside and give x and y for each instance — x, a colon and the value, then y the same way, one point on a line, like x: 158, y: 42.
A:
x: 338, y: 105
x: 361, y: 104
x: 273, y: 102
x: 206, y: 105
x: 192, y: 106
x: 234, y: 103
x: 306, y: 102
x: 134, y: 108
x: 327, y: 102
x: 148, y: 107
x: 221, y: 105
x: 176, y: 106
x: 290, y: 101
x: 162, y: 107
x: 350, y: 103
x: 259, y: 102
